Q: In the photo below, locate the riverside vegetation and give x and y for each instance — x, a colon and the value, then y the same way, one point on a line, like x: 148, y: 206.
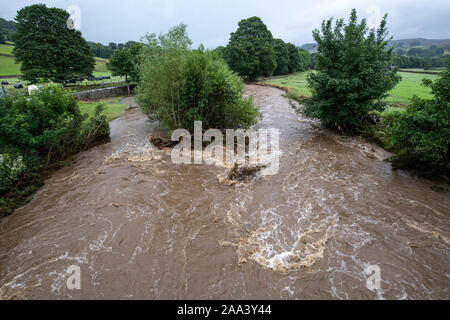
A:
x: 39, y: 134
x: 349, y: 92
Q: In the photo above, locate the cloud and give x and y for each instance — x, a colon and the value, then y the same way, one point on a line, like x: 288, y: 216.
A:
x: 211, y: 21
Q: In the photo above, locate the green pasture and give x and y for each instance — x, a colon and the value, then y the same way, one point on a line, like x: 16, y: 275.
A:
x: 410, y: 85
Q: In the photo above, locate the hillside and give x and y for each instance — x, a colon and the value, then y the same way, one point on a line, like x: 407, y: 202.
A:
x: 7, y: 28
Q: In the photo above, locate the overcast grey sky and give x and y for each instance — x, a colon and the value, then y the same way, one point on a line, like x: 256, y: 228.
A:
x: 211, y: 21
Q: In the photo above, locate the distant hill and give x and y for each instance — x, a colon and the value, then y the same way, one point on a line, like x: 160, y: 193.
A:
x: 402, y: 44
x: 7, y: 28
x: 310, y: 47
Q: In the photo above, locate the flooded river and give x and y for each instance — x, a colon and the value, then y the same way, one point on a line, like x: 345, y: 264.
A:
x: 141, y: 227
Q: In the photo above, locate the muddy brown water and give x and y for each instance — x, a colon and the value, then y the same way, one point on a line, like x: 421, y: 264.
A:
x: 140, y: 227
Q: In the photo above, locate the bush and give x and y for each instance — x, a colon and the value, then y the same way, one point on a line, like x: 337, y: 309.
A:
x: 421, y: 135
x: 180, y: 86
x: 353, y: 74
x: 36, y: 134
x: 10, y: 170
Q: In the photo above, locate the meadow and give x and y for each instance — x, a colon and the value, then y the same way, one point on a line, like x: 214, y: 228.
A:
x: 6, y: 49
x: 410, y: 85
x: 113, y: 108
x: 9, y: 67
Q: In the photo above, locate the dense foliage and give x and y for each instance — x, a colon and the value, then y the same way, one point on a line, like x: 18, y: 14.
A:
x: 289, y: 58
x: 282, y: 57
x: 353, y: 74
x: 47, y: 48
x: 250, y: 51
x: 403, y: 61
x: 102, y: 51
x: 7, y: 28
x: 126, y: 62
x: 179, y: 86
x: 37, y: 132
x: 421, y: 134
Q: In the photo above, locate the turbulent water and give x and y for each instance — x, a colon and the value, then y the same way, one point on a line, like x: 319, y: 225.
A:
x: 141, y: 227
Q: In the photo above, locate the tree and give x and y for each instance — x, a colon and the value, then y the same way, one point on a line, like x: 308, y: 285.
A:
x: 305, y: 59
x: 353, y: 74
x: 47, y: 48
x: 294, y: 58
x: 282, y: 57
x: 180, y: 86
x: 2, y: 39
x: 126, y: 62
x: 112, y: 45
x: 421, y: 134
x: 101, y: 51
x: 250, y: 52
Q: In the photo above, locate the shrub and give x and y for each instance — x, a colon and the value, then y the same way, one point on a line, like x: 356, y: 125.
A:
x: 180, y: 86
x: 421, y: 134
x: 353, y: 74
x: 38, y: 132
x: 10, y: 170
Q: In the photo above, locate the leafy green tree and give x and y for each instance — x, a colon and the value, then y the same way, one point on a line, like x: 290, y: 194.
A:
x: 353, y: 74
x: 126, y: 62
x: 47, y: 48
x: 294, y: 58
x: 305, y: 60
x: 101, y: 51
x: 250, y: 52
x: 220, y: 51
x: 421, y: 134
x: 2, y: 39
x: 282, y: 57
x: 180, y: 86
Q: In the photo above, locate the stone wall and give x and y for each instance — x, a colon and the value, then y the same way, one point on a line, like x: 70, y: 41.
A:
x: 104, y: 93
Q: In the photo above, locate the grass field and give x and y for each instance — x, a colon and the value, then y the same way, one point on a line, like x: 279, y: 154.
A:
x: 113, y: 108
x: 100, y: 65
x: 410, y: 85
x: 5, y: 49
x: 8, y: 66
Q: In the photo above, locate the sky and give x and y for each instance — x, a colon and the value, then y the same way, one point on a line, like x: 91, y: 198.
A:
x: 210, y: 22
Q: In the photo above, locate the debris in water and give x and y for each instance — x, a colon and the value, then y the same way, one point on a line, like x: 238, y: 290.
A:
x: 163, y: 143
x: 239, y: 174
